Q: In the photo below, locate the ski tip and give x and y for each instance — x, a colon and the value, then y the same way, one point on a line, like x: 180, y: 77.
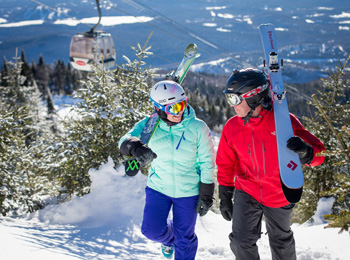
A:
x: 191, y: 48
x: 266, y: 27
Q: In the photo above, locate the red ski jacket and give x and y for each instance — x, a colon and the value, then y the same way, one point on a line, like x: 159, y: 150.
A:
x: 247, y: 157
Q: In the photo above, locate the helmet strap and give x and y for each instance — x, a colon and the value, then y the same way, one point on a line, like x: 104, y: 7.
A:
x: 267, y: 103
x: 164, y: 117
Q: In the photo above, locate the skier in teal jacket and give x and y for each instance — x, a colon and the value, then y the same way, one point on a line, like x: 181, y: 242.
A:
x: 181, y: 153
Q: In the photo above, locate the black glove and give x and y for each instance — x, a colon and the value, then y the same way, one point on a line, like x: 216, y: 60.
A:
x: 304, y: 150
x: 205, y: 200
x: 226, y: 204
x: 133, y: 146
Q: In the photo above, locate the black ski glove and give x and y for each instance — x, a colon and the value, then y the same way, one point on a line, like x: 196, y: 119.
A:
x: 304, y: 150
x: 226, y: 204
x: 133, y: 146
x: 205, y: 200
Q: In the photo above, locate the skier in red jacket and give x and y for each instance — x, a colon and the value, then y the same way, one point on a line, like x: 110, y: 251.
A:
x: 247, y: 163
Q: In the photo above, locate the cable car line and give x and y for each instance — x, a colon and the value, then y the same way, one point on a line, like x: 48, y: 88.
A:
x: 166, y: 20
x: 127, y: 43
x: 46, y: 6
x: 99, y: 16
x: 193, y: 35
x: 174, y: 24
x: 186, y: 31
x: 243, y: 63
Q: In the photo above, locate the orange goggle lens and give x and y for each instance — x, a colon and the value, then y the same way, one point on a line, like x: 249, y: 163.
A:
x: 174, y: 109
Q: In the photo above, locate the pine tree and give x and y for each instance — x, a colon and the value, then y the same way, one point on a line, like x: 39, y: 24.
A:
x: 134, y: 85
x: 41, y: 75
x: 23, y: 136
x: 331, y: 124
x: 26, y: 70
x: 111, y: 102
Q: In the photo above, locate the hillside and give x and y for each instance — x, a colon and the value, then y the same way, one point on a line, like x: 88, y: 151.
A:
x: 311, y: 36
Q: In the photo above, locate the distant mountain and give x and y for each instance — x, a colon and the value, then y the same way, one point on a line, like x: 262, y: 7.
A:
x: 312, y: 35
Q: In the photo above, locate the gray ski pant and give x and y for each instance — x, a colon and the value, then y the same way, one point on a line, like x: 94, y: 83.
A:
x: 246, y: 229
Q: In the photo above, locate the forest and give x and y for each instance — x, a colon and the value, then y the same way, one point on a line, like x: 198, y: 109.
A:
x: 44, y: 157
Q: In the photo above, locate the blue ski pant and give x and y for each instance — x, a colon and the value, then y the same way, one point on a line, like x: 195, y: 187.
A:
x: 179, y: 231
x: 246, y: 229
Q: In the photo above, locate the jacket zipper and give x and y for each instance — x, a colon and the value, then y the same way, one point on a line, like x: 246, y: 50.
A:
x: 251, y: 157
x: 257, y: 170
x: 182, y: 137
x: 263, y: 149
x: 173, y: 155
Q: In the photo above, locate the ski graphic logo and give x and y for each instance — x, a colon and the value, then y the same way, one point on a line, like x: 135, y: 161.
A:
x: 271, y: 39
x: 292, y: 165
x: 132, y: 165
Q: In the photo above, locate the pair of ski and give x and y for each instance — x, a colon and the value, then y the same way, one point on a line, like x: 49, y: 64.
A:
x: 291, y: 173
x: 131, y: 165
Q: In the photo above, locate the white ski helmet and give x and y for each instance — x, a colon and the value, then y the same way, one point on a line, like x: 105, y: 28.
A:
x: 165, y: 93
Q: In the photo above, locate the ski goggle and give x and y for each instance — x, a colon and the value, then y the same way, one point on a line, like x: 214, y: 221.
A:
x: 234, y: 99
x: 173, y: 108
x: 176, y: 108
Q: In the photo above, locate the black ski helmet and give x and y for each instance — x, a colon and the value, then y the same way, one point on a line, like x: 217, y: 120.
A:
x: 246, y: 81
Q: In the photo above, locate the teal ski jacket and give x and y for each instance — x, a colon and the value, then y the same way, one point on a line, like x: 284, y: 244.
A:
x: 185, y: 155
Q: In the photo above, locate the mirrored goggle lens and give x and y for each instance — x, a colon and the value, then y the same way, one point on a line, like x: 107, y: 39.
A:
x: 233, y: 99
x: 174, y: 109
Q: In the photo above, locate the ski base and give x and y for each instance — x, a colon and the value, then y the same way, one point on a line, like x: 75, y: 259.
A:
x: 291, y: 173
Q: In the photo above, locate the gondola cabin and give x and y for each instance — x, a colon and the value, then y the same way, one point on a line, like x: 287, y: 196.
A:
x: 84, y: 46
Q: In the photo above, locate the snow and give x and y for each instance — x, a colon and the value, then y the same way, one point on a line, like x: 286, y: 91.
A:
x: 23, y: 23
x: 105, y: 224
x: 105, y: 21
x: 342, y: 15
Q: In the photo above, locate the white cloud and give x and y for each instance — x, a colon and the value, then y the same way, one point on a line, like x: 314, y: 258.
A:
x: 105, y: 21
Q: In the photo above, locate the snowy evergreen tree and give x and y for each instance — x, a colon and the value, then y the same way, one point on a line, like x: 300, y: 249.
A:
x: 331, y: 125
x: 110, y: 103
x: 23, y: 136
x: 134, y: 81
